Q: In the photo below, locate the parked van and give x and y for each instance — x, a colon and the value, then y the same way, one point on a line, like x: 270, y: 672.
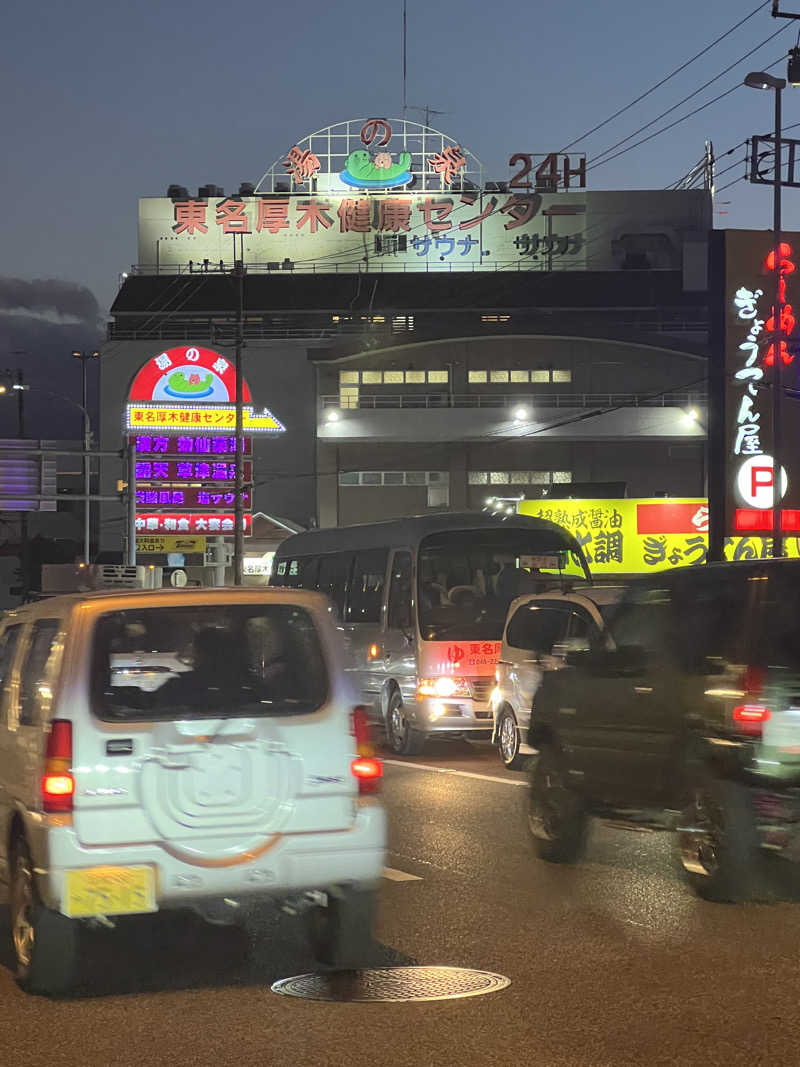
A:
x: 181, y: 749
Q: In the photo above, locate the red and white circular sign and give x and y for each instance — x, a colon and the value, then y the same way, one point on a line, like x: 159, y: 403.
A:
x: 187, y: 375
x: 755, y: 480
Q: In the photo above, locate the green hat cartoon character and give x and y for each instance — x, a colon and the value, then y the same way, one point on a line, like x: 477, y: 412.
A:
x: 363, y: 171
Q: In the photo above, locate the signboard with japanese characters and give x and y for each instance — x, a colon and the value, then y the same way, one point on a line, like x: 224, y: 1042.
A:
x: 214, y: 524
x: 641, y: 536
x: 379, y: 195
x: 751, y: 267
x: 181, y: 411
x: 161, y: 545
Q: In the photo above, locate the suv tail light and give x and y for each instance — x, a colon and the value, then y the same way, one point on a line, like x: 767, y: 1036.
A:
x: 58, y: 785
x: 750, y: 719
x: 366, y: 769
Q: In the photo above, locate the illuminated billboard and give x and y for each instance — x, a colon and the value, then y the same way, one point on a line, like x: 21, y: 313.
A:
x: 643, y: 536
x: 752, y: 274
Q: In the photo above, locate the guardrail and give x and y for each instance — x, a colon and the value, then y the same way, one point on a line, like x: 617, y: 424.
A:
x: 532, y: 400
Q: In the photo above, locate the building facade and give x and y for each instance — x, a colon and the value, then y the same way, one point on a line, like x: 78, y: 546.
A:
x: 434, y: 339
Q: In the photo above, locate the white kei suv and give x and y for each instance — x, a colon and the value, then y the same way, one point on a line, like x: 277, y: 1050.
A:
x: 540, y: 630
x: 182, y: 749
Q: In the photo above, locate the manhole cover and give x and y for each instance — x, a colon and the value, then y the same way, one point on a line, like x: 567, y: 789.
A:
x: 393, y: 983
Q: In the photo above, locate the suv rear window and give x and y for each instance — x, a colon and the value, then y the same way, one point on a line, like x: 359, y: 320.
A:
x: 200, y: 662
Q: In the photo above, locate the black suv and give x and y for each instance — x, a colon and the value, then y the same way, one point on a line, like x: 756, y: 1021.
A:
x: 689, y: 719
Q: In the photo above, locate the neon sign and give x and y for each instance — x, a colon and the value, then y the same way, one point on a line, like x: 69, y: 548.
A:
x: 787, y: 321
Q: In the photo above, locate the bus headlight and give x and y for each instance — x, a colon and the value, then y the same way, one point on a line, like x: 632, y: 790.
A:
x: 445, y: 687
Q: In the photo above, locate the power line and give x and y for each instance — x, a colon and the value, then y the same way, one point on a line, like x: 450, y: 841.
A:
x: 663, y: 81
x: 678, y: 121
x: 691, y: 96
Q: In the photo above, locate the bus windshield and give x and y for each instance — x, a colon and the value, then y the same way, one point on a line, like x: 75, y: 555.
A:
x: 468, y: 578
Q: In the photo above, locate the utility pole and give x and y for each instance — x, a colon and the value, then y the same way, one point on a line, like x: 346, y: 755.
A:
x: 238, y: 506
x: 777, y: 390
x: 776, y: 14
x: 84, y: 357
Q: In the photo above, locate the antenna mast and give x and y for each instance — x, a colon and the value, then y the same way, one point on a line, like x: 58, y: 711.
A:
x: 405, y: 52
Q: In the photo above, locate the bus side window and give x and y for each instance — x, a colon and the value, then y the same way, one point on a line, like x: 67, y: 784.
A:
x: 399, y: 614
x: 366, y: 588
x: 334, y: 575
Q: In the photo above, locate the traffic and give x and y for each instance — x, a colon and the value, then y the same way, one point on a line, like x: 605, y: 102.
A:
x: 219, y: 751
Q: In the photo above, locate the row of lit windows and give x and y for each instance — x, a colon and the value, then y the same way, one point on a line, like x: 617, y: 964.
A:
x: 519, y: 377
x: 441, y: 377
x: 393, y: 377
x: 394, y: 478
x: 519, y: 477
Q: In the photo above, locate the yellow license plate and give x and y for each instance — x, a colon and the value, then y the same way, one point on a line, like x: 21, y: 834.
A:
x: 108, y: 891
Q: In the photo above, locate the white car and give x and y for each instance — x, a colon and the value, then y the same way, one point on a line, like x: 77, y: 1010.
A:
x: 540, y: 630
x: 242, y: 779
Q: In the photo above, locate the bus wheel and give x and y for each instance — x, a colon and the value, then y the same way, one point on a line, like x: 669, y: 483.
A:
x: 400, y: 737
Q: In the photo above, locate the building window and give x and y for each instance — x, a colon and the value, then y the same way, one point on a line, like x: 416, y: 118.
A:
x: 394, y: 377
x: 348, y: 396
x: 495, y: 318
x: 402, y: 323
x: 438, y: 496
x: 518, y: 377
x: 437, y: 479
x: 519, y: 477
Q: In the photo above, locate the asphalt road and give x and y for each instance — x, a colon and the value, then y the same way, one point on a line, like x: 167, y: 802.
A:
x: 612, y: 962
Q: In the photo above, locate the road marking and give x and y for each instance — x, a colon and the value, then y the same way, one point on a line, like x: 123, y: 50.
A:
x: 399, y: 876
x: 450, y: 770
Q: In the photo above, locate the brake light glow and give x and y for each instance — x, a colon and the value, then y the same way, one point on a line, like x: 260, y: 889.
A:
x: 58, y: 785
x: 366, y: 769
x: 750, y: 718
x: 368, y: 773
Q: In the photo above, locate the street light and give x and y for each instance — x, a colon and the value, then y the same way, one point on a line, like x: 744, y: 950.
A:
x: 84, y: 357
x: 760, y: 79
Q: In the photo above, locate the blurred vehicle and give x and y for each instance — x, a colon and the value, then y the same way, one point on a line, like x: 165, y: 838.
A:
x: 541, y: 629
x: 423, y: 602
x: 690, y: 721
x: 235, y: 777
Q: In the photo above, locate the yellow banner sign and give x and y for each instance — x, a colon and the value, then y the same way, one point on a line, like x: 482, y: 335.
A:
x: 212, y: 418
x: 163, y: 545
x: 641, y: 536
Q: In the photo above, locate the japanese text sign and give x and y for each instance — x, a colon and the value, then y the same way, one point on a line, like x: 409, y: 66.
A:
x: 210, y: 418
x: 191, y: 523
x: 633, y: 536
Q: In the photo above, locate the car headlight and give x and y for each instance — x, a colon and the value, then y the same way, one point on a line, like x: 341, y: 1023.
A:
x: 443, y: 687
